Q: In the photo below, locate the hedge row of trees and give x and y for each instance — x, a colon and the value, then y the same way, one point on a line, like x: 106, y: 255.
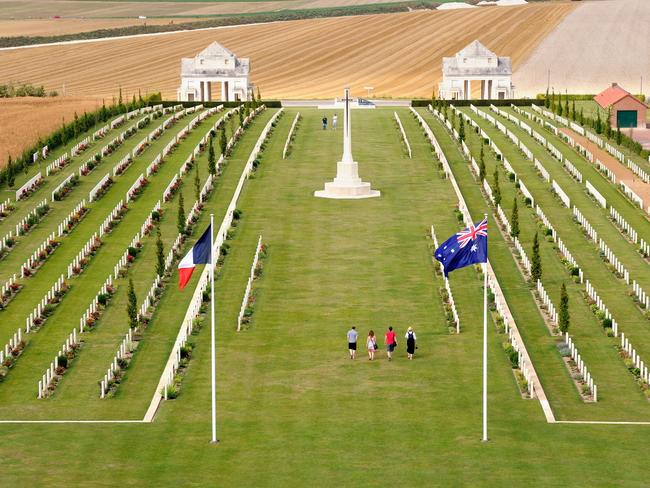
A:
x: 70, y: 131
x: 11, y: 90
x: 561, y: 107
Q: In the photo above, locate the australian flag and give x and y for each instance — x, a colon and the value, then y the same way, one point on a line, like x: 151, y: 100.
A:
x: 469, y: 246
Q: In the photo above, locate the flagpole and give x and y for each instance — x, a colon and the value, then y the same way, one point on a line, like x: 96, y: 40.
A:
x: 485, y: 287
x: 212, y: 335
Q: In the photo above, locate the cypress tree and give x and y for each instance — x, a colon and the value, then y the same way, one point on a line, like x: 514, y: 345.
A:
x: 514, y: 220
x: 619, y: 137
x: 566, y: 105
x: 433, y: 96
x: 481, y: 165
x: 547, y: 102
x: 212, y: 161
x: 197, y: 184
x: 132, y: 306
x: 560, y: 110
x: 553, y: 102
x: 181, y: 214
x: 160, y: 256
x: 563, y: 316
x: 536, y: 262
x: 241, y: 116
x: 223, y: 141
x: 582, y: 117
x: 599, y: 124
x: 496, y: 190
x: 259, y: 97
x: 11, y: 177
x: 573, y: 111
x: 461, y: 128
x: 608, y: 123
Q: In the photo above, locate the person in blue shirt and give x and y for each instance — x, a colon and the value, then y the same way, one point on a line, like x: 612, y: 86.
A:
x: 352, y: 342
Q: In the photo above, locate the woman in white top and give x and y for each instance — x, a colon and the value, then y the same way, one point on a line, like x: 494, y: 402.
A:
x: 410, y: 342
x: 372, y: 345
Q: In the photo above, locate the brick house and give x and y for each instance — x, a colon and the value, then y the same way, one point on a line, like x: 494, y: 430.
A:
x: 627, y: 110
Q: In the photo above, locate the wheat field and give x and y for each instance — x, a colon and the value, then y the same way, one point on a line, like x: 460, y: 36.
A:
x: 399, y: 55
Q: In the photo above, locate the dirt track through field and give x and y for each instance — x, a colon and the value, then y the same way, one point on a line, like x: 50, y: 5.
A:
x: 399, y: 55
x: 596, y: 44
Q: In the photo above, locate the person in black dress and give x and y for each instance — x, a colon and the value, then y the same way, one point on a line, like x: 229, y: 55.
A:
x: 410, y: 342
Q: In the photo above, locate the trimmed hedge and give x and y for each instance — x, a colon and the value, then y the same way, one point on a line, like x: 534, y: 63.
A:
x: 169, y: 103
x: 477, y: 103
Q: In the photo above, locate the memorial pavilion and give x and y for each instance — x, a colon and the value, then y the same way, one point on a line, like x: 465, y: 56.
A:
x: 476, y: 63
x: 215, y: 64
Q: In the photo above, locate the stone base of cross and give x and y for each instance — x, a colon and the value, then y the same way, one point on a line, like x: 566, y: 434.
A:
x: 347, y: 184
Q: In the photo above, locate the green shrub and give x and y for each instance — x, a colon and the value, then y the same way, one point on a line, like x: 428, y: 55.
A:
x: 63, y: 361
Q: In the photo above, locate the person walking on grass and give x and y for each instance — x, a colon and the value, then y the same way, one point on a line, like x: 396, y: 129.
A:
x: 324, y: 122
x: 410, y: 342
x: 352, y: 342
x: 371, y: 343
x: 391, y: 343
x: 334, y: 121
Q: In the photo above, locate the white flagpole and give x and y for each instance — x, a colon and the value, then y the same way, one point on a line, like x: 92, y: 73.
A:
x: 485, y: 287
x: 212, y: 336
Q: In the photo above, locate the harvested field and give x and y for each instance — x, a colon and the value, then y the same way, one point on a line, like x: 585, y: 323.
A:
x: 590, y: 48
x: 399, y: 55
x: 24, y: 120
x: 110, y: 11
x: 55, y: 27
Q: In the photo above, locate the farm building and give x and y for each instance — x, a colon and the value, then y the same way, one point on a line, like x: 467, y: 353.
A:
x: 476, y: 62
x: 215, y: 64
x: 627, y: 111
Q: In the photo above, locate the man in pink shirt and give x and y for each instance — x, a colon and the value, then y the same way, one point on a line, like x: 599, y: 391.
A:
x: 391, y: 343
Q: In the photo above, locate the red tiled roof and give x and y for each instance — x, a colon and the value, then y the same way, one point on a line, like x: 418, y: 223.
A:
x: 612, y: 95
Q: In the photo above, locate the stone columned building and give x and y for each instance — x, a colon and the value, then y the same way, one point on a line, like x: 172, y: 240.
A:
x: 214, y: 67
x: 476, y: 63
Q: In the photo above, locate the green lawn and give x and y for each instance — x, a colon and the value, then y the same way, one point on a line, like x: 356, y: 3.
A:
x: 293, y: 410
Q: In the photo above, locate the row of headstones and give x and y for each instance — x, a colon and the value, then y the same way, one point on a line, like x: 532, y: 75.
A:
x: 3, y: 241
x: 104, y: 227
x: 643, y: 297
x: 567, y: 138
x: 139, y: 147
x: 61, y: 185
x: 488, y: 190
x: 171, y: 188
x: 137, y: 184
x: 572, y: 170
x: 80, y: 147
x: 544, y: 172
x: 582, y: 220
x: 644, y: 247
x: 600, y: 304
x: 97, y: 188
x: 112, y: 145
x: 125, y: 348
x: 20, y: 225
x: 614, y: 152
x: 147, y: 224
x: 605, y: 170
x: 94, y: 304
x: 50, y: 372
x: 397, y: 119
x: 6, y: 206
x: 153, y: 166
x: 522, y: 254
x: 450, y: 295
x: 33, y: 182
x: 11, y: 345
x: 101, y: 132
x: 118, y: 121
x: 37, y: 313
x: 290, y: 136
x: 85, y: 251
x: 591, y: 189
x: 636, y: 169
x: 585, y: 152
x: 631, y: 194
x: 560, y: 192
x: 57, y: 164
x: 558, y: 241
x: 150, y: 298
x: 249, y: 284
x: 122, y: 262
x: 34, y: 259
x: 546, y: 300
x: 626, y: 345
x: 121, y: 166
x: 577, y: 359
x: 75, y: 212
x: 7, y: 288
x: 624, y: 225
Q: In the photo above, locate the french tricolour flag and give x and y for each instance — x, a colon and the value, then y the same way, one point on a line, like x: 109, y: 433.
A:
x: 199, y: 254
